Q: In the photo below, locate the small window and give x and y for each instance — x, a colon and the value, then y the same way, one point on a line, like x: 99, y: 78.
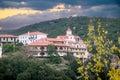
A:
x: 61, y: 48
x: 77, y: 46
x: 3, y: 38
x: 42, y: 48
x: 56, y: 48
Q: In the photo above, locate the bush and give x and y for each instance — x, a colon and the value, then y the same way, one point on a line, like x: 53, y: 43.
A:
x: 8, y: 47
x: 19, y: 67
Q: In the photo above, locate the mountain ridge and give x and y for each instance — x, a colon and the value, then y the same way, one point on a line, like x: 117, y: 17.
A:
x: 79, y: 25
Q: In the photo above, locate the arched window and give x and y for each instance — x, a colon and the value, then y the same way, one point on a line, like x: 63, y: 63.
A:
x: 42, y: 53
x: 56, y: 48
x: 42, y: 48
x: 61, y: 48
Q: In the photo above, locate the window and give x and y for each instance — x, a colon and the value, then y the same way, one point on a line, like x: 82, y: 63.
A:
x: 61, y: 48
x: 7, y: 39
x: 77, y: 46
x: 42, y: 48
x: 56, y: 48
x: 3, y: 38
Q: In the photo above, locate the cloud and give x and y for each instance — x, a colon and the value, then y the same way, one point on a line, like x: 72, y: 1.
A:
x: 103, y: 11
x: 61, y: 10
x: 63, y: 7
x: 46, y: 4
x: 59, y: 7
x: 102, y: 7
x: 8, y: 12
x: 14, y: 4
x: 23, y: 3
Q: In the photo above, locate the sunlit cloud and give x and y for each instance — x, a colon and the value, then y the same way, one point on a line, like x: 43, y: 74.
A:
x: 8, y: 12
x: 63, y: 7
x: 59, y: 7
x: 23, y: 3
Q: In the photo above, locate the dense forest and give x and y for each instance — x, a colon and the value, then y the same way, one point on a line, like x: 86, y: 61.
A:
x: 79, y: 25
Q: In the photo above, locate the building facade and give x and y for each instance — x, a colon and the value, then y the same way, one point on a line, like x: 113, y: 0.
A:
x: 7, y: 38
x: 30, y: 37
x: 64, y: 44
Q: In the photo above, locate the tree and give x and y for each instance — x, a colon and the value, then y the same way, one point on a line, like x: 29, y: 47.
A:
x: 18, y: 46
x: 102, y: 49
x: 72, y: 63
x: 19, y: 67
x: 54, y: 56
x: 51, y: 50
x: 11, y: 47
x: 8, y: 47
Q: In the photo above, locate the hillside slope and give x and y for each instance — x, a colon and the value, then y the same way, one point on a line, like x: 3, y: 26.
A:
x: 79, y: 25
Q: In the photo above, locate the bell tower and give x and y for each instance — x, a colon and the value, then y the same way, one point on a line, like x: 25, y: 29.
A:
x: 68, y: 31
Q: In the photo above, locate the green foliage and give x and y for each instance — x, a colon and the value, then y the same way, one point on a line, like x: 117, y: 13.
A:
x: 54, y: 57
x: 8, y: 47
x: 69, y: 57
x: 20, y: 67
x: 103, y: 50
x: 11, y: 47
x: 18, y: 46
x: 72, y: 63
x: 24, y: 76
x: 51, y: 50
x: 114, y: 74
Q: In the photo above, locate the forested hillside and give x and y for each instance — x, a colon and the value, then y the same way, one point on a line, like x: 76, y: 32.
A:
x: 18, y: 64
x: 79, y: 25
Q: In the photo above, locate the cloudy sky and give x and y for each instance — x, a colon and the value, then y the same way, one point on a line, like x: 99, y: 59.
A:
x: 17, y: 13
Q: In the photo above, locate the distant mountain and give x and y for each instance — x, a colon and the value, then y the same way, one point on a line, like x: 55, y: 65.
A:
x: 79, y: 25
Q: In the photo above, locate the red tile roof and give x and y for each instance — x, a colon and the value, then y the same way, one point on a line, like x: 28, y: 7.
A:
x: 37, y: 32
x: 61, y: 45
x: 45, y: 44
x: 81, y: 42
x: 7, y: 35
x: 51, y: 39
x: 76, y: 37
x: 70, y: 41
x: 62, y: 37
x: 40, y: 44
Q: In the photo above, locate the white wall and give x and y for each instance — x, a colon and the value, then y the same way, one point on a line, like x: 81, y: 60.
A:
x: 25, y: 38
x: 8, y: 39
x: 0, y: 50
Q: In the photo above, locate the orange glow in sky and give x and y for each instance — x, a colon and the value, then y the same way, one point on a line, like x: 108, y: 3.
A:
x: 8, y: 12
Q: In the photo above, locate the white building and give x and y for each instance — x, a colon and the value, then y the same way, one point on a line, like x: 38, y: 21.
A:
x: 64, y: 44
x: 31, y: 37
x: 7, y: 38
